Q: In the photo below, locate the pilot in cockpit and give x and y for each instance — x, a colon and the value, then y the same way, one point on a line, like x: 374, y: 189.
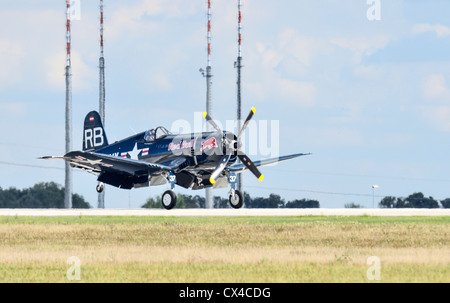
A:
x: 150, y: 135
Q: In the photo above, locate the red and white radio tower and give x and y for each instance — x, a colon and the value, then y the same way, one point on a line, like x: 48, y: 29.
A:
x: 68, y: 170
x: 101, y: 196
x: 238, y: 65
x: 102, y: 69
x: 208, y: 76
x: 208, y: 65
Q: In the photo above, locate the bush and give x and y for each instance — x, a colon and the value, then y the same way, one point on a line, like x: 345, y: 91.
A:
x: 41, y: 195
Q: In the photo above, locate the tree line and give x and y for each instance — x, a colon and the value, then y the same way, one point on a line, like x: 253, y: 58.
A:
x: 51, y: 195
x: 41, y: 195
x: 197, y: 201
x: 416, y: 200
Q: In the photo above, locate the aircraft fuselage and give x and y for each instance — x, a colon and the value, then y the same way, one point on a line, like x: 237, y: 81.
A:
x: 199, y: 149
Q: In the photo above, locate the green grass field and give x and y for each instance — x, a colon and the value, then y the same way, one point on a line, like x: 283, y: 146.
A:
x: 225, y: 249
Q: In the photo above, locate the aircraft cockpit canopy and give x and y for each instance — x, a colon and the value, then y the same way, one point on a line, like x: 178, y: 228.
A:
x: 154, y: 134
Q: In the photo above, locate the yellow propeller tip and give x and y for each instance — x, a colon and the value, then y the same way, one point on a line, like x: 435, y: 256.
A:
x: 253, y: 109
x: 261, y: 177
x: 204, y: 114
x: 212, y: 180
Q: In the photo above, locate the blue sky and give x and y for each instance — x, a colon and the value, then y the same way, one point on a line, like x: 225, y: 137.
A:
x: 369, y: 99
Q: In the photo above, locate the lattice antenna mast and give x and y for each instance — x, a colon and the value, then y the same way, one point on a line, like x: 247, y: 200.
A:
x: 208, y: 66
x: 102, y: 69
x: 208, y: 193
x: 68, y: 170
x: 238, y: 66
x: 239, y: 28
x: 101, y: 196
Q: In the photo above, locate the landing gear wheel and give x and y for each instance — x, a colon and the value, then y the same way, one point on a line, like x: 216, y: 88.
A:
x: 100, y: 187
x: 169, y: 199
x: 237, y: 200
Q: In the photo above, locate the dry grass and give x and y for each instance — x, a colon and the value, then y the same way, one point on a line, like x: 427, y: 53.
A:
x: 182, y: 251
x: 316, y: 234
x: 150, y: 255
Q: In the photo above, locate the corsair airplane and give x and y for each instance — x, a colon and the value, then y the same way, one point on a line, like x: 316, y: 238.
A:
x: 156, y: 156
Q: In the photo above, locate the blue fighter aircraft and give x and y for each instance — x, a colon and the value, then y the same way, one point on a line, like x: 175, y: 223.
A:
x: 156, y: 156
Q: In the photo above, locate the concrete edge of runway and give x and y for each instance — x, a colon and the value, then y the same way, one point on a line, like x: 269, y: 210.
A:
x: 226, y: 212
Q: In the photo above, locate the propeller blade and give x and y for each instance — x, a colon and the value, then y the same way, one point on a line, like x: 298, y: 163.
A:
x: 241, y: 131
x: 211, y: 121
x: 250, y: 165
x: 220, y: 167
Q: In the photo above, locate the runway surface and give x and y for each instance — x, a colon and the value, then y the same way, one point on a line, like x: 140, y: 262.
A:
x: 225, y: 212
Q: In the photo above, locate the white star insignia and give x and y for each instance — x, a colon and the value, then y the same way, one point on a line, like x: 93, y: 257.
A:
x: 135, y: 152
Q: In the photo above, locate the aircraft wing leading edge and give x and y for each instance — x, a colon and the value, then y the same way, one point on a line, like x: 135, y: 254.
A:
x: 99, y: 162
x: 238, y: 168
x: 120, y: 172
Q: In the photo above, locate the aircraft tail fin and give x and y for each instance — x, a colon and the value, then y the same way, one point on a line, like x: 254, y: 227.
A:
x: 94, y: 136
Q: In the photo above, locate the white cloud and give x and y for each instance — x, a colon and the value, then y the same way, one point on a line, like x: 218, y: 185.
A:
x: 297, y: 91
x: 439, y: 30
x: 290, y: 45
x: 24, y: 53
x: 162, y: 81
x: 132, y: 20
x: 369, y: 72
x: 270, y: 58
x: 303, y: 48
x: 11, y: 55
x: 84, y: 77
x: 435, y: 87
x: 439, y: 116
x: 16, y: 109
x: 284, y: 64
x: 361, y: 46
x: 442, y: 117
x: 293, y: 91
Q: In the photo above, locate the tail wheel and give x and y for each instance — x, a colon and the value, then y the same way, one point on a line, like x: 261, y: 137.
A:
x: 169, y: 199
x: 236, y: 200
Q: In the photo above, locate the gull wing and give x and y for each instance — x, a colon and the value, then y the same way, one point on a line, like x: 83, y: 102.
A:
x: 238, y: 168
x: 117, y: 171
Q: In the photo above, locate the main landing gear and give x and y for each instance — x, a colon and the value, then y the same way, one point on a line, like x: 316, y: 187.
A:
x: 100, y: 187
x: 236, y: 199
x: 169, y: 198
